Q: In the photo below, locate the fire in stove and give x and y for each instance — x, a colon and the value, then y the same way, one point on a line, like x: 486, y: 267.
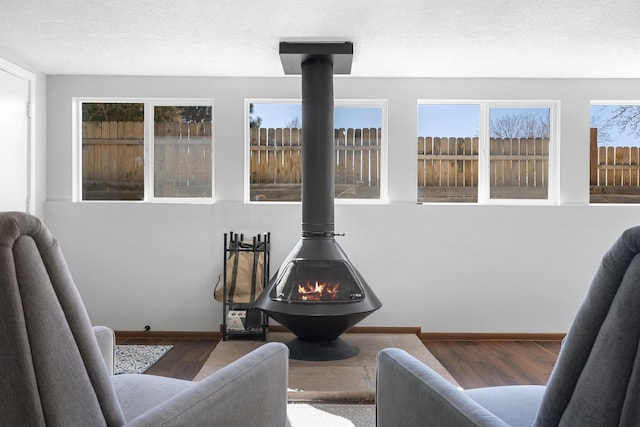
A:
x: 320, y: 291
x: 317, y: 281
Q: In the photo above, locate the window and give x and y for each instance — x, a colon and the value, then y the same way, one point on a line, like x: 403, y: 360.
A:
x: 448, y: 152
x: 485, y: 152
x: 614, y: 152
x: 519, y: 152
x: 275, y: 142
x: 147, y: 151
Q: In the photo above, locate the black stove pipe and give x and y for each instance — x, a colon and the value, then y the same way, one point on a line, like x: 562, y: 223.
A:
x: 318, y: 176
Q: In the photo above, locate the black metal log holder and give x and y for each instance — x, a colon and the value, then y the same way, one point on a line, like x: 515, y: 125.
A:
x: 257, y: 322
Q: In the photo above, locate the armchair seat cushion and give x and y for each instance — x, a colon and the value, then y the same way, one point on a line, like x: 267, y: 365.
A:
x: 516, y: 405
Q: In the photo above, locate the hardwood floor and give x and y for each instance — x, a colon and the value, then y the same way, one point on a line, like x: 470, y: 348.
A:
x: 185, y: 359
x: 472, y: 363
x: 492, y: 363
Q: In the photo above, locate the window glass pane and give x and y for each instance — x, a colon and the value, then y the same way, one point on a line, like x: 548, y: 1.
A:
x: 519, y: 153
x: 358, y: 142
x: 275, y: 159
x: 112, y: 151
x: 182, y: 151
x: 448, y: 152
x: 615, y: 154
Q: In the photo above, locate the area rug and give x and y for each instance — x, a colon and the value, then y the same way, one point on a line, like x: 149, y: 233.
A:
x: 344, y: 381
x: 137, y: 359
x: 330, y: 415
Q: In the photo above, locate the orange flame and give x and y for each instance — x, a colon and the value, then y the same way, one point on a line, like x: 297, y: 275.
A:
x: 319, y: 291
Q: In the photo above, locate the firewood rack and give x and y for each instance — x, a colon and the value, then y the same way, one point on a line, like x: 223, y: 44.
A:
x: 242, y: 319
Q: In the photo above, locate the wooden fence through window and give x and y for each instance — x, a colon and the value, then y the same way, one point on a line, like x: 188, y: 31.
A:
x: 113, y: 159
x: 448, y: 168
x: 276, y: 155
x: 614, y: 173
x: 276, y: 163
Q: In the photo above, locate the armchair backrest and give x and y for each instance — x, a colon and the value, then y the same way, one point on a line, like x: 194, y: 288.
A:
x: 596, y: 380
x: 51, y: 370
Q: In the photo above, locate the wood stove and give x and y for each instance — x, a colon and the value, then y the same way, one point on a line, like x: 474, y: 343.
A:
x: 318, y: 293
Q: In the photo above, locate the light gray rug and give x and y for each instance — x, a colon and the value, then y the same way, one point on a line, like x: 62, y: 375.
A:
x: 330, y: 415
x: 347, y: 381
x: 136, y: 359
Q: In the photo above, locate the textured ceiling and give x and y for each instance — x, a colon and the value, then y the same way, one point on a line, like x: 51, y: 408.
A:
x: 410, y: 38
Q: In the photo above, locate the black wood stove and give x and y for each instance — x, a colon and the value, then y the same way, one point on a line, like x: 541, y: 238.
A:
x: 317, y: 293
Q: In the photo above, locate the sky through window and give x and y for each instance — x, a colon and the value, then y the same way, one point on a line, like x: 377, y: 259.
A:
x: 277, y: 115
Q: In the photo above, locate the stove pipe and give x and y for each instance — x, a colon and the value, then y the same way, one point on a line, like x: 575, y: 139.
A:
x: 318, y: 156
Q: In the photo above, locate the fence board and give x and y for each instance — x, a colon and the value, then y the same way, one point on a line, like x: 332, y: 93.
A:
x: 113, y: 129
x: 438, y: 176
x: 356, y: 151
x: 601, y: 172
x: 366, y: 157
x: 474, y: 162
x: 278, y: 147
x: 271, y: 156
x: 296, y: 158
x: 514, y: 152
x: 263, y: 158
x: 634, y: 175
x: 341, y: 155
x: 349, y: 163
x: 376, y: 159
x: 421, y: 162
x: 625, y: 159
x: 611, y: 160
x: 286, y: 155
x: 618, y: 161
x: 593, y: 155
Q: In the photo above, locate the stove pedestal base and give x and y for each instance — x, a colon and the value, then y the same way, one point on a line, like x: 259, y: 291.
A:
x: 337, y: 349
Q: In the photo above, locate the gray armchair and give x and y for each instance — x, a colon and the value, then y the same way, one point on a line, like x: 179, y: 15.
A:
x: 595, y: 382
x: 52, y: 368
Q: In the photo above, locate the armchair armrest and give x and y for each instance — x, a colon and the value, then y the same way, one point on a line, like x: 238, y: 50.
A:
x: 409, y: 393
x: 251, y: 391
x: 107, y: 343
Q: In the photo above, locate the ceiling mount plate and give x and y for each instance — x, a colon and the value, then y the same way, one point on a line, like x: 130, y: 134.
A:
x: 293, y: 54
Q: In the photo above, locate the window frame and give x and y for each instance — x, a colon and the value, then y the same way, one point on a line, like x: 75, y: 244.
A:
x: 484, y: 158
x: 610, y: 102
x: 148, y: 150
x: 362, y: 103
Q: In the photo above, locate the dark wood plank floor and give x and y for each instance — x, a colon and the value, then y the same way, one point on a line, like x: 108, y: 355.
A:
x: 493, y: 363
x: 472, y: 363
x: 183, y: 361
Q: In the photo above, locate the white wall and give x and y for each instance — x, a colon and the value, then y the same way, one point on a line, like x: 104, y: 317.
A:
x: 445, y: 268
